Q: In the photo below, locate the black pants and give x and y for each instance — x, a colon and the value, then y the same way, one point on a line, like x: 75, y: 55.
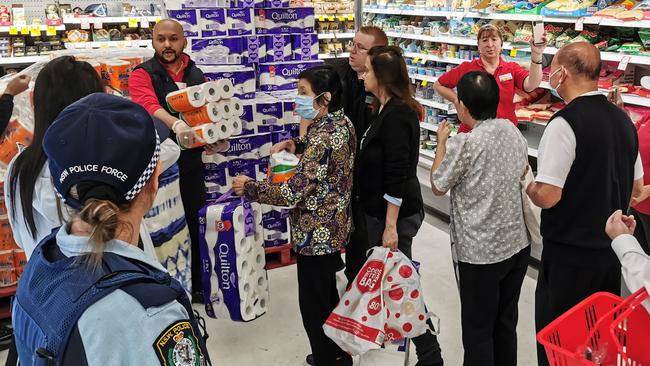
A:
x: 191, y: 182
x: 355, y: 251
x: 642, y: 232
x: 427, y: 347
x: 561, y: 286
x: 317, y: 298
x: 489, y: 298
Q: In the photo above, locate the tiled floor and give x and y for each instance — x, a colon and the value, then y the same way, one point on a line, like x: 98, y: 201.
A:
x: 278, y: 339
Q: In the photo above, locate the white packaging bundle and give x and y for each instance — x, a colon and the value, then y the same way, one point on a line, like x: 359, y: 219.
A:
x: 269, y: 113
x: 188, y: 19
x: 275, y: 222
x: 240, y: 22
x: 242, y: 78
x: 218, y: 51
x: 283, y: 76
x: 232, y: 254
x: 212, y: 22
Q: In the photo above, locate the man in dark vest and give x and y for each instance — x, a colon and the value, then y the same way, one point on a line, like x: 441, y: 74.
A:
x: 169, y: 70
x: 588, y: 167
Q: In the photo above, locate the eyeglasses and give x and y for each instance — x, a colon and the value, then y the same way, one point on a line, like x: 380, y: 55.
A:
x: 354, y: 46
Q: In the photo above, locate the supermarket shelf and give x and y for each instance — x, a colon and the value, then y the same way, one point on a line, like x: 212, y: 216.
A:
x: 108, y: 44
x: 6, y: 61
x: 627, y: 98
x: 139, y: 19
x: 331, y: 55
x: 424, y: 56
x: 428, y: 153
x: 335, y: 35
x: 444, y: 107
x: 516, y: 17
x: 429, y: 126
x: 5, y: 28
x: 431, y: 79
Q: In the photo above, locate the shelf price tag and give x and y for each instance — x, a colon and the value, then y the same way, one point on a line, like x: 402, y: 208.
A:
x: 330, y: 18
x: 50, y: 31
x: 13, y: 31
x: 415, y: 60
x: 350, y: 17
x: 423, y: 62
x: 35, y: 30
x: 321, y: 18
x: 157, y: 20
x: 341, y: 18
x: 424, y: 82
x: 580, y: 24
x: 24, y: 30
x: 85, y: 24
x: 513, y: 52
x: 133, y: 22
x: 144, y: 23
x: 623, y: 64
x: 98, y: 24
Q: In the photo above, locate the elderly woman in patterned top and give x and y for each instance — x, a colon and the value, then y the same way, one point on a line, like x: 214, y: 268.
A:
x: 320, y: 191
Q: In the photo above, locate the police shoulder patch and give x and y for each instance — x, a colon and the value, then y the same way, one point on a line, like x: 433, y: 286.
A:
x: 178, y: 345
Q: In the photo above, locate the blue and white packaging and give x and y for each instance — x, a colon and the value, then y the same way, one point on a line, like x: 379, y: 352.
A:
x: 217, y: 180
x: 288, y: 99
x: 282, y: 76
x: 212, y: 22
x: 275, y: 223
x: 254, y: 49
x: 293, y: 129
x: 232, y: 257
x: 250, y: 147
x: 248, y: 4
x: 249, y: 125
x: 243, y: 78
x: 291, y: 20
x: 206, y: 4
x: 218, y: 51
x: 240, y: 22
x: 276, y: 3
x: 247, y: 167
x: 305, y: 46
x: 280, y: 136
x: 269, y: 113
x: 188, y: 19
x: 278, y: 48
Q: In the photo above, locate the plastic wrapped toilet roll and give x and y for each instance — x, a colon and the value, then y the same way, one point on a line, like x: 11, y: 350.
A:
x: 235, y: 126
x: 187, y: 99
x: 208, y: 113
x: 218, y: 90
x: 209, y: 133
x: 237, y: 107
x: 225, y: 109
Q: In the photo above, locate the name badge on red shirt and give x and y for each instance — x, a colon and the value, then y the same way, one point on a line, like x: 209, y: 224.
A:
x: 505, y: 77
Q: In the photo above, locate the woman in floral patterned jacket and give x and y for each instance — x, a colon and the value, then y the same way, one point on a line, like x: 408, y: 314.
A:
x: 320, y: 191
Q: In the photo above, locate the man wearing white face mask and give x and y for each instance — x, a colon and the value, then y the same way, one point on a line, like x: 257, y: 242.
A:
x: 590, y: 145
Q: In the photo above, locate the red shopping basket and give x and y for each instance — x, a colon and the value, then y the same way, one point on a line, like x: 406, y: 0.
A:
x: 614, y: 330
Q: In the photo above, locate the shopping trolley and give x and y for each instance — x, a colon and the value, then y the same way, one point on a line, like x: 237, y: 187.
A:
x: 603, y: 329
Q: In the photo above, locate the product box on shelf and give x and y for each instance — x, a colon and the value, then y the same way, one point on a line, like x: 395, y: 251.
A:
x: 305, y: 46
x: 278, y: 48
x: 282, y: 75
x: 293, y: 129
x: 276, y: 3
x: 5, y: 15
x: 207, y: 3
x: 240, y: 22
x: 559, y: 9
x: 269, y: 113
x: 243, y: 78
x: 188, y: 19
x: 290, y: 20
x: 255, y: 49
x: 218, y: 51
x: 212, y: 22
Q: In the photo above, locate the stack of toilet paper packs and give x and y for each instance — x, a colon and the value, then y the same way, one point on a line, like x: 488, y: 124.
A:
x: 210, y: 109
x: 232, y: 256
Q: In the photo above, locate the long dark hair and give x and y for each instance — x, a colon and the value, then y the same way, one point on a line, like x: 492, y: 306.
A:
x: 390, y: 70
x: 60, y: 83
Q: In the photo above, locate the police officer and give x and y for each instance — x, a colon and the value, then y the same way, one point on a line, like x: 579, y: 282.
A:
x: 89, y: 295
x: 169, y: 70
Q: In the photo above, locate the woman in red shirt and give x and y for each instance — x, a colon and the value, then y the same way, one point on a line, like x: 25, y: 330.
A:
x: 509, y: 75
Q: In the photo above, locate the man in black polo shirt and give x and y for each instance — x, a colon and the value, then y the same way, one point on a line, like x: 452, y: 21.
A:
x: 357, y: 107
x: 588, y: 167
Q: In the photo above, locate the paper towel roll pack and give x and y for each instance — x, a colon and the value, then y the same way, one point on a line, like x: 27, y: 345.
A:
x: 240, y: 22
x: 188, y: 19
x: 187, y: 99
x: 275, y: 222
x: 212, y: 22
x: 232, y: 255
x: 282, y: 166
x: 280, y: 76
x: 290, y: 20
x: 305, y: 47
x: 217, y: 90
x: 218, y: 51
x: 278, y: 48
x: 208, y: 113
x: 242, y: 78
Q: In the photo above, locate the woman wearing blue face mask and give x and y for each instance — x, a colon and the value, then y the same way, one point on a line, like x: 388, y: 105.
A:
x: 320, y: 193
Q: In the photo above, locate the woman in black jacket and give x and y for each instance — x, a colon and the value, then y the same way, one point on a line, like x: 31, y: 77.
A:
x: 388, y: 160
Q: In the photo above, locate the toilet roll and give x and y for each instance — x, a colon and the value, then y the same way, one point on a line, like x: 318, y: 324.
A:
x: 185, y: 100
x: 207, y: 134
x: 237, y: 107
x: 247, y: 310
x: 235, y: 126
x: 218, y: 90
x: 225, y: 108
x: 208, y: 113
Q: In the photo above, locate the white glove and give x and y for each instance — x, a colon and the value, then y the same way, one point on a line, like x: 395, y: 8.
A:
x: 185, y: 136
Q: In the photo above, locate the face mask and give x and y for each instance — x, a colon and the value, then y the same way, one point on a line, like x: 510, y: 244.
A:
x: 305, y: 106
x: 554, y: 91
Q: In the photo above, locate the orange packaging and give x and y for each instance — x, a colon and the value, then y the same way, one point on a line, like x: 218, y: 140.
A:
x: 20, y: 260
x: 15, y: 134
x: 118, y: 74
x: 8, y: 277
x: 133, y: 60
x: 6, y: 259
x: 208, y: 113
x: 186, y: 100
